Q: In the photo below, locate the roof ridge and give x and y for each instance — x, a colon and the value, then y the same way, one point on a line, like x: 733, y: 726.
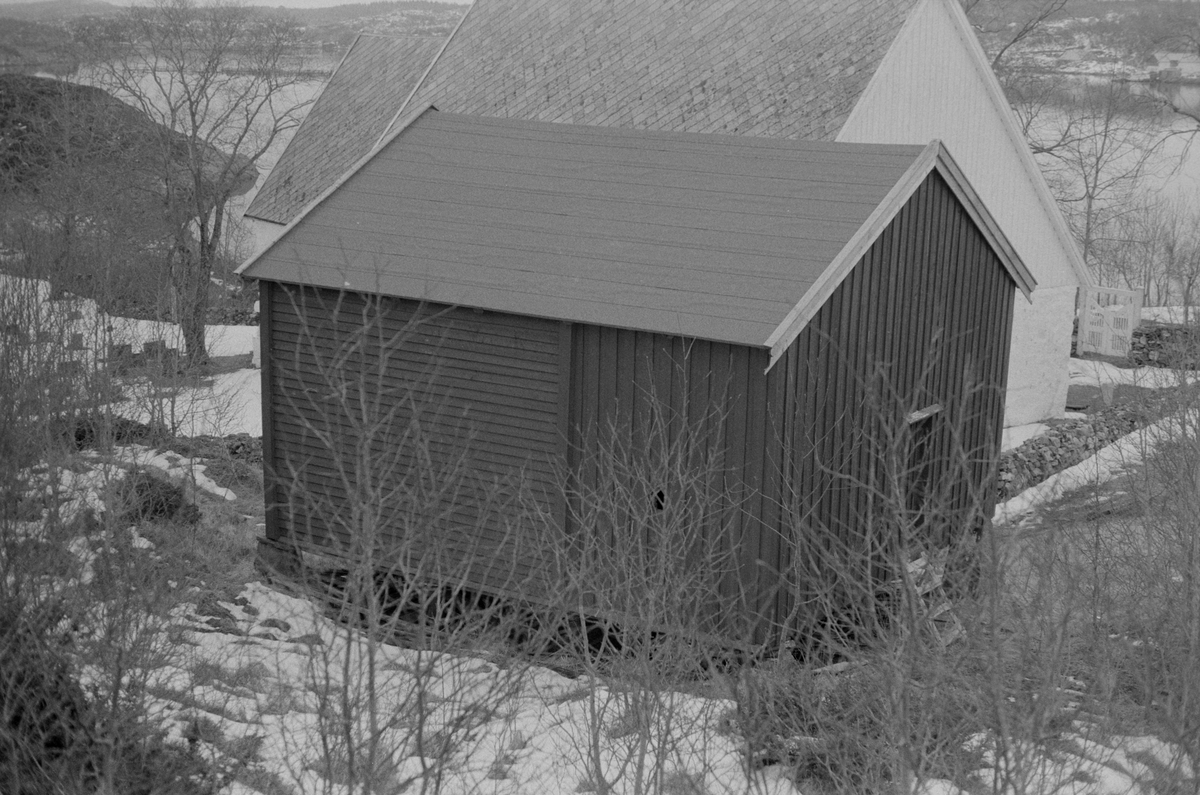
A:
x: 651, y: 255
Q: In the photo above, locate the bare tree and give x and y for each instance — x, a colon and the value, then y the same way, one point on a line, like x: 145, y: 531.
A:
x: 1005, y: 24
x: 1154, y: 247
x: 1095, y: 148
x: 218, y: 79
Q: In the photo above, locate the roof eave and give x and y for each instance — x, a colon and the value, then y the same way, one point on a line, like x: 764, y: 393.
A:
x: 948, y: 168
x: 250, y: 211
x: 817, y: 294
x: 934, y: 157
x: 245, y: 268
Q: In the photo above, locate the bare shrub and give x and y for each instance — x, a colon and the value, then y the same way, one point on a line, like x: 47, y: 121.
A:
x: 403, y: 687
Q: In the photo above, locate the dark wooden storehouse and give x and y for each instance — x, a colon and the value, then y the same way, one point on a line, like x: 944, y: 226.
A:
x: 531, y: 293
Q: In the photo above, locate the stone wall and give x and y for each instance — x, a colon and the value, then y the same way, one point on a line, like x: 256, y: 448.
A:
x: 1165, y: 345
x: 1070, y: 441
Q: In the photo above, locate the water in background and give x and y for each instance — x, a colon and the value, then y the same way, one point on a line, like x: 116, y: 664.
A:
x: 1180, y: 173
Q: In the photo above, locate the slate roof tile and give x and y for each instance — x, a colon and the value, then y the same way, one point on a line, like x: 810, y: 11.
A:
x: 767, y: 68
x: 345, y: 122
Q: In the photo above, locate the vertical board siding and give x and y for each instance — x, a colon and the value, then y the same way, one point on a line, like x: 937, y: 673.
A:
x: 792, y: 458
x: 968, y: 116
x: 436, y: 427
x: 928, y: 303
x: 275, y: 529
x: 684, y: 408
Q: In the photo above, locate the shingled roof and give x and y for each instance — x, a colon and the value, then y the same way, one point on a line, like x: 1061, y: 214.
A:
x: 374, y: 79
x: 767, y: 68
x: 726, y: 238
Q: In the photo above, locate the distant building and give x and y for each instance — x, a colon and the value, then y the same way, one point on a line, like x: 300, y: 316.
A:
x: 865, y: 71
x: 1175, y: 66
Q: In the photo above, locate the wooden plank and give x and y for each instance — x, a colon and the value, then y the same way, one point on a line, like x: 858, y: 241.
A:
x: 518, y: 429
x: 624, y: 379
x: 771, y: 514
x: 267, y: 342
x: 750, y: 386
x: 493, y: 460
x: 842, y: 404
x: 680, y: 349
x: 566, y: 371
x: 699, y: 386
x: 915, y: 345
x: 536, y: 360
x: 640, y: 375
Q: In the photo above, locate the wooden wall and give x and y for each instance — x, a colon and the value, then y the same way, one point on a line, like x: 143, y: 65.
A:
x: 693, y: 420
x: 443, y: 421
x: 793, y: 456
x: 924, y: 319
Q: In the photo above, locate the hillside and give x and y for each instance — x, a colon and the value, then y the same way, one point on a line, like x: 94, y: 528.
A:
x: 39, y: 33
x: 53, y: 10
x: 28, y: 43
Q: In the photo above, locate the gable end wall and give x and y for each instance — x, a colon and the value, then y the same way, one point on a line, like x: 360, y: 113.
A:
x: 922, y: 319
x: 922, y: 71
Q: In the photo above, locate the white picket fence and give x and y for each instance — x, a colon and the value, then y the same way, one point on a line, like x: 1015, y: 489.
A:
x: 1107, y: 318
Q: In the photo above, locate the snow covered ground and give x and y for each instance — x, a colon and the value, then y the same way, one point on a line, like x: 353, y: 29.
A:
x: 268, y: 668
x: 1171, y: 314
x: 221, y: 340
x: 272, y: 671
x: 532, y: 741
x: 1088, y: 372
x: 1108, y: 462
x: 227, y: 403
x: 535, y: 738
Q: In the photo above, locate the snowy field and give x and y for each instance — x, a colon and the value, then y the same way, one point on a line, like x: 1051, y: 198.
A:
x: 541, y: 727
x: 225, y: 404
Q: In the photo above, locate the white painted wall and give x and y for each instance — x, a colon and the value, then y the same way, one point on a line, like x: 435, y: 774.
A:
x: 261, y: 234
x: 936, y: 66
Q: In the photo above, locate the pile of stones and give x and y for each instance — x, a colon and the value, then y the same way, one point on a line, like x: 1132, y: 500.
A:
x: 1165, y: 345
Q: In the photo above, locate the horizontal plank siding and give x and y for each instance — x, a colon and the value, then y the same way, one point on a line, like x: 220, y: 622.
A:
x: 391, y: 418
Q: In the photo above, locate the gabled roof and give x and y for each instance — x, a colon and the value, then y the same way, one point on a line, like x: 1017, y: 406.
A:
x: 727, y: 238
x: 768, y: 68
x: 375, y: 77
